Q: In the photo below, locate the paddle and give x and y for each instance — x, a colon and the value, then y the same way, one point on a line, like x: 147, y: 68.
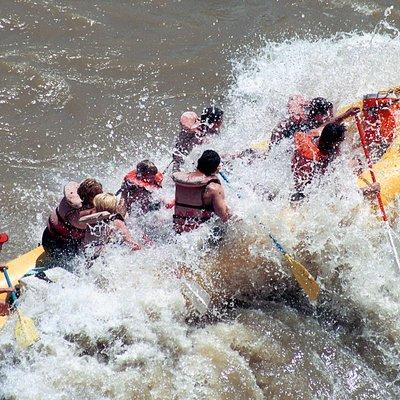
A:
x: 199, y: 299
x: 25, y: 331
x: 299, y: 271
x: 378, y: 195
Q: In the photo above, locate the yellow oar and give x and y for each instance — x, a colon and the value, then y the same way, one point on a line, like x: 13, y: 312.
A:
x: 300, y: 273
x: 25, y: 331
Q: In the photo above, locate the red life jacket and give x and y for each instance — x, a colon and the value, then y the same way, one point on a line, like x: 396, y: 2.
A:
x: 132, y: 179
x: 379, y: 120
x: 139, y: 190
x: 190, y: 210
x: 307, y: 159
x: 61, y: 228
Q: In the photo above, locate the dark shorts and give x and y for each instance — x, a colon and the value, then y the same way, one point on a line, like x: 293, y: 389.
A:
x: 59, y: 248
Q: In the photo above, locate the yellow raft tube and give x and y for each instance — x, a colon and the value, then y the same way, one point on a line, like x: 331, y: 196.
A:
x: 387, y: 171
x: 18, y: 267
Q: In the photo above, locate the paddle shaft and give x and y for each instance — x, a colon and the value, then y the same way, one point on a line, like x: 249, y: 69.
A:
x: 378, y: 195
x: 13, y: 296
x: 370, y: 166
x: 300, y: 273
x: 278, y: 245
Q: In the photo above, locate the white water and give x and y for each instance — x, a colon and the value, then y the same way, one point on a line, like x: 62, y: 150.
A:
x: 118, y: 331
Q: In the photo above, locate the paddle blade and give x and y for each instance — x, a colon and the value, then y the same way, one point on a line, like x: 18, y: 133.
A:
x: 196, y: 296
x: 303, y: 278
x: 25, y: 331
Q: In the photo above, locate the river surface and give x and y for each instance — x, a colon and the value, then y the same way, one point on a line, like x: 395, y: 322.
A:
x: 89, y: 88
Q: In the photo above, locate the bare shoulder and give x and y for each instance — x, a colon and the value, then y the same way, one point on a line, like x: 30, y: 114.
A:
x: 215, y: 188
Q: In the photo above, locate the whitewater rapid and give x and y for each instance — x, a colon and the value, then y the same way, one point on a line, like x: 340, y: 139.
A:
x: 120, y: 329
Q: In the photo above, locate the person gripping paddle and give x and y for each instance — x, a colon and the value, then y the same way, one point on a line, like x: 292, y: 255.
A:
x: 26, y: 333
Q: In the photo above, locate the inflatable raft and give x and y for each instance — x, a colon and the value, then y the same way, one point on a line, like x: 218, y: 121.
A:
x: 230, y: 274
x: 20, y: 266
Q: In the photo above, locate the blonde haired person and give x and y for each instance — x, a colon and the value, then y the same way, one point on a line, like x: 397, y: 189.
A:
x: 107, y: 225
x: 105, y: 202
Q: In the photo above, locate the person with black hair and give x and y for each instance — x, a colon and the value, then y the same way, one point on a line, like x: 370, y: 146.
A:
x: 314, y: 151
x: 212, y: 119
x: 195, y: 131
x: 305, y: 116
x: 199, y: 194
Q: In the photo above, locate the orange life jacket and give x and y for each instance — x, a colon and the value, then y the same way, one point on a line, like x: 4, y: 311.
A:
x: 190, y: 210
x: 307, y: 158
x: 132, y: 179
x: 379, y: 120
x: 138, y: 190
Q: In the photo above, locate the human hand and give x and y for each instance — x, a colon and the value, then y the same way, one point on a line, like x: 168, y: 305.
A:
x: 3, y: 267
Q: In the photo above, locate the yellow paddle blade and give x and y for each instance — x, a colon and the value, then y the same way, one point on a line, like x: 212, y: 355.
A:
x: 261, y: 146
x: 304, y: 278
x: 25, y: 331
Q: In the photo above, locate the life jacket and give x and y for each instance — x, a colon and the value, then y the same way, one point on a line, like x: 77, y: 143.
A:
x: 190, y: 210
x: 137, y: 190
x: 99, y: 233
x: 307, y: 158
x: 60, y: 227
x: 101, y: 230
x: 132, y: 179
x: 379, y: 120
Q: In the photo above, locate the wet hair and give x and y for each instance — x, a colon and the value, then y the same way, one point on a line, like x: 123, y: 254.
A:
x: 106, y: 202
x: 209, y: 162
x: 146, y: 167
x: 88, y: 189
x: 319, y: 106
x: 211, y: 115
x: 331, y: 135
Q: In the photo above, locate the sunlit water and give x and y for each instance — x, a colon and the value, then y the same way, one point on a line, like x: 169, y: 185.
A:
x: 121, y: 330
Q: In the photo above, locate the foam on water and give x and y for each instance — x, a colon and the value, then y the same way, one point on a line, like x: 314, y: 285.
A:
x: 118, y: 330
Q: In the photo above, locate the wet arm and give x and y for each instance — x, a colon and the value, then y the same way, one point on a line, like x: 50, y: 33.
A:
x: 79, y: 214
x: 126, y: 235
x: 340, y: 118
x: 219, y: 203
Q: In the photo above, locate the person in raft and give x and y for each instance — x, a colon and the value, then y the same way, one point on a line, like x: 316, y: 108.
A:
x: 307, y: 115
x: 314, y: 152
x: 106, y: 225
x: 212, y: 119
x: 199, y: 194
x: 138, y: 188
x: 64, y: 233
x: 195, y: 131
